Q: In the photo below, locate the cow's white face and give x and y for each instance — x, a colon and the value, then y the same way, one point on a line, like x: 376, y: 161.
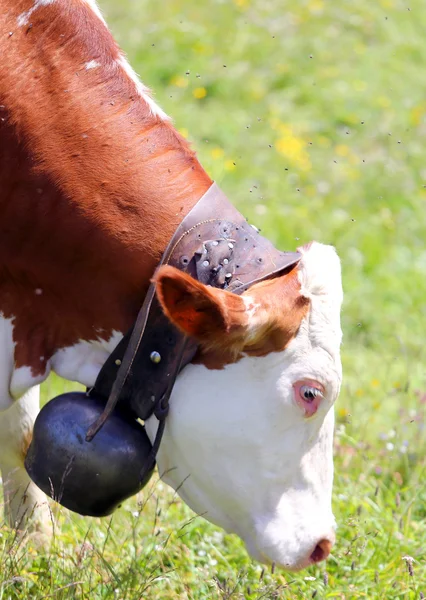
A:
x: 249, y: 445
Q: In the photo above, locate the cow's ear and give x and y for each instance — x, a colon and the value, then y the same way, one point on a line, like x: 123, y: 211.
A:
x: 200, y: 311
x: 263, y: 320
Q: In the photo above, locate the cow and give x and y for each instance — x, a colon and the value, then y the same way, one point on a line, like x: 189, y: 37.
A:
x: 94, y: 180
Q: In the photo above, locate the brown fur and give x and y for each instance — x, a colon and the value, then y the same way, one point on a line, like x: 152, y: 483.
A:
x: 92, y: 186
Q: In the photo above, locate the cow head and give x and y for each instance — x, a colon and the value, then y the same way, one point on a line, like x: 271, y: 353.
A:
x: 248, y: 441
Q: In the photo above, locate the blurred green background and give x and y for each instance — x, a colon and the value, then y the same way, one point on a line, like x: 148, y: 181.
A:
x: 311, y: 115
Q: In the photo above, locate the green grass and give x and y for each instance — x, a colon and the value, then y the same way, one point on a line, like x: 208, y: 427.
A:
x: 311, y: 115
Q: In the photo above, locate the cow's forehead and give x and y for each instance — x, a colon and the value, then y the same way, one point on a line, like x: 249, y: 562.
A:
x: 321, y: 281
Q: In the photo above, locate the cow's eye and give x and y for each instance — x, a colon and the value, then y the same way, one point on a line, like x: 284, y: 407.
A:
x: 308, y: 395
x: 309, y: 392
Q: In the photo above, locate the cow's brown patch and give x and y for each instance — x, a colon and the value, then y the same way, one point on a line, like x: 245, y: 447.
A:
x: 92, y: 185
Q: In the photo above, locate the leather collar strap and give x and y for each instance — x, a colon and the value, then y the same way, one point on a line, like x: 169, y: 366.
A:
x: 214, y: 244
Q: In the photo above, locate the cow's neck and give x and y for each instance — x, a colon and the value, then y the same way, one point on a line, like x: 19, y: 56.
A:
x: 93, y: 181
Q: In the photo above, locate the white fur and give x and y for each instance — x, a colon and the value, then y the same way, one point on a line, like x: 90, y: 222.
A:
x: 14, y: 382
x: 23, y: 379
x: 142, y: 90
x: 250, y: 309
x: 238, y: 448
x: 321, y: 281
x: 7, y: 348
x: 83, y: 361
x: 80, y: 362
x: 92, y: 64
x: 24, y: 18
x: 24, y: 502
x: 95, y: 8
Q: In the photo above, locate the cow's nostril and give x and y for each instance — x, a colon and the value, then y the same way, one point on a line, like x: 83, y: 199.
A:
x: 322, y: 550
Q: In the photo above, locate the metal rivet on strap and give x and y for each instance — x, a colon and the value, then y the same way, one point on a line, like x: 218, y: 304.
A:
x: 206, y: 263
x: 118, y: 362
x: 155, y: 357
x: 228, y: 275
x: 230, y: 245
x: 215, y: 243
x: 225, y: 261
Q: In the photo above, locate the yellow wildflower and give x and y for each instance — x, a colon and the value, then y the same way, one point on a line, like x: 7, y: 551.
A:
x: 316, y: 6
x: 201, y: 48
x: 257, y: 91
x: 199, y: 93
x: 229, y: 165
x: 291, y: 146
x: 349, y: 173
x: 179, y: 81
x: 383, y: 102
x: 329, y: 72
x: 282, y: 68
x: 217, y: 152
x: 417, y: 113
x: 342, y: 150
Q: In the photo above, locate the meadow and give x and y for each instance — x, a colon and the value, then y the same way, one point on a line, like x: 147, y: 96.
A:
x: 311, y: 115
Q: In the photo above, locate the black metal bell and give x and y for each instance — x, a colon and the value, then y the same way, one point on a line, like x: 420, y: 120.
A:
x: 90, y: 478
